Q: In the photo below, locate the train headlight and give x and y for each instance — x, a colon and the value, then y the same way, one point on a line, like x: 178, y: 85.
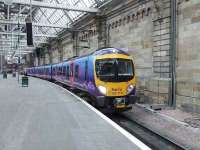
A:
x: 102, y: 89
x: 130, y: 88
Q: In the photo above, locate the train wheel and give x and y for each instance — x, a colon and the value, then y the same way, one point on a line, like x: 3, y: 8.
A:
x: 93, y: 103
x: 86, y: 99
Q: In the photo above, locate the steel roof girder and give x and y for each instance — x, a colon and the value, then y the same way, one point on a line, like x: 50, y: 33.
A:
x: 24, y: 34
x: 55, y: 6
x: 20, y: 41
x: 34, y: 24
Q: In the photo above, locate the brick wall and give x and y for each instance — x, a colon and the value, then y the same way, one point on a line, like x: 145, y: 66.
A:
x: 188, y: 56
x: 143, y: 31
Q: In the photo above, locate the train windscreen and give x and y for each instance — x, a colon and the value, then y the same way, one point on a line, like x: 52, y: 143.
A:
x: 114, y: 69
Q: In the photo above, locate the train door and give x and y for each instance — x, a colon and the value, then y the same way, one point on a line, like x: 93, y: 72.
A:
x: 64, y: 72
x: 71, y: 78
x: 56, y: 72
x: 86, y: 73
x: 51, y: 72
x: 67, y: 73
x: 59, y: 72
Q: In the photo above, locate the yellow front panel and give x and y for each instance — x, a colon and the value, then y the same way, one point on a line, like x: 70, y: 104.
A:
x: 114, y: 88
x: 113, y: 56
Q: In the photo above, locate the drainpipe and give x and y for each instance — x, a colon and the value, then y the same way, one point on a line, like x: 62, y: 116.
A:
x: 1, y: 63
x: 75, y: 43
x: 173, y: 53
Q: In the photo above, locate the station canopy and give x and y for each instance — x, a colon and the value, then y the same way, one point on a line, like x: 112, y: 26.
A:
x: 49, y: 18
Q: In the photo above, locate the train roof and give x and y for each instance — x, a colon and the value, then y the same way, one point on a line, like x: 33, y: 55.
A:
x: 101, y: 51
x: 109, y: 50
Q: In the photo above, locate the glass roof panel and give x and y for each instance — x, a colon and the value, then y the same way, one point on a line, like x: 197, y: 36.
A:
x: 43, y: 17
x: 60, y: 17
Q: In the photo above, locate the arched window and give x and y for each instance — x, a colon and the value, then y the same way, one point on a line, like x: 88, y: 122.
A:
x: 86, y: 36
x: 148, y: 11
x: 128, y: 19
x: 120, y: 22
x: 109, y: 26
x: 138, y: 15
x: 113, y: 25
x: 133, y: 17
x: 143, y: 13
x: 89, y: 33
x: 124, y: 20
x: 116, y: 24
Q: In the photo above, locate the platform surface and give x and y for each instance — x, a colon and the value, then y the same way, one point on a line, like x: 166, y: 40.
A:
x: 46, y: 117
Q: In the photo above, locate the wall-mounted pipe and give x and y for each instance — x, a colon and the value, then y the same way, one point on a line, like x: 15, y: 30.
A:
x: 173, y: 53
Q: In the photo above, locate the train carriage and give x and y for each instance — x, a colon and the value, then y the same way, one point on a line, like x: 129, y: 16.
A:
x: 107, y: 76
x: 48, y: 72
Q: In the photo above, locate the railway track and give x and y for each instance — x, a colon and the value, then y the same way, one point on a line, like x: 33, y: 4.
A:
x: 153, y: 140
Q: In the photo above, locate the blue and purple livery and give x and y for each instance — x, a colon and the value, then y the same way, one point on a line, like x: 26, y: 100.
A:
x: 107, y: 76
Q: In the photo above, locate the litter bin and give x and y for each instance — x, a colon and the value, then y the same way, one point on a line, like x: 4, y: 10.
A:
x: 14, y: 74
x: 4, y: 75
x: 24, y: 81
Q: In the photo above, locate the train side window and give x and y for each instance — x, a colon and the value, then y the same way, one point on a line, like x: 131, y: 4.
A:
x: 67, y: 76
x: 76, y: 71
x: 86, y: 70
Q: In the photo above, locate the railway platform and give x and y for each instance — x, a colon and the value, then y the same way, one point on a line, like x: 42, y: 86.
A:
x: 44, y: 116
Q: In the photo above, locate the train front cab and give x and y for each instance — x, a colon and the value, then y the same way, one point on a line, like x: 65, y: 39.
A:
x: 115, y: 81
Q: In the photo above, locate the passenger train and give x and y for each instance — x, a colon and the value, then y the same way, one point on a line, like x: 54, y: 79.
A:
x: 107, y: 76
